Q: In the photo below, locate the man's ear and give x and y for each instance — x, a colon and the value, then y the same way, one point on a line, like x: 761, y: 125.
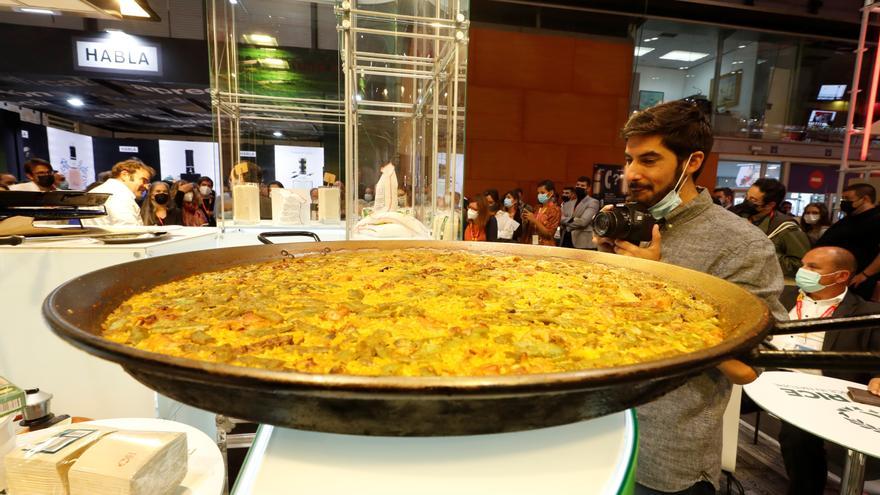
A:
x: 843, y: 277
x: 696, y: 162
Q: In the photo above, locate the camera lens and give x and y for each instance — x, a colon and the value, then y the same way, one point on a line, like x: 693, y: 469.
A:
x: 605, y: 223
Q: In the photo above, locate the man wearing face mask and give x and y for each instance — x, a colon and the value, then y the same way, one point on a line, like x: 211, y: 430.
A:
x: 680, y: 433
x: 858, y: 233
x: 41, y: 177
x: 209, y: 199
x: 128, y: 180
x: 760, y: 207
x: 577, y: 230
x: 823, y: 294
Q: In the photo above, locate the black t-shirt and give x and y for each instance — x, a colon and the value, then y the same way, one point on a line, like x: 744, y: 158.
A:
x: 858, y: 234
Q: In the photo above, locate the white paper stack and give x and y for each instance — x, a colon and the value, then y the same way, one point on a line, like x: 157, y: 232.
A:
x: 290, y: 206
x: 42, y: 468
x: 329, y: 205
x: 246, y: 203
x: 131, y: 463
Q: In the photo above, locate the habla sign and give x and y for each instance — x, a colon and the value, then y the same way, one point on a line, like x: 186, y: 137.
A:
x: 108, y: 55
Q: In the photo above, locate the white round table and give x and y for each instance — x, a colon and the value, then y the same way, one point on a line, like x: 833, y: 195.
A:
x: 820, y: 405
x: 206, y: 472
x: 595, y: 457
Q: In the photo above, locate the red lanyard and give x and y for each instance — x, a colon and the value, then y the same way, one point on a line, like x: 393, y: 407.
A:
x: 800, y: 304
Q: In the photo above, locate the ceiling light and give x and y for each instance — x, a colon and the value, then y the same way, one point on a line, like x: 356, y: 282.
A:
x: 31, y: 10
x: 641, y: 50
x: 273, y: 63
x: 655, y: 78
x: 736, y: 62
x: 277, y: 134
x: 684, y: 56
x: 233, y: 2
x: 648, y: 40
x: 683, y: 68
x: 75, y: 102
x: 741, y: 47
x: 131, y: 8
x: 260, y: 39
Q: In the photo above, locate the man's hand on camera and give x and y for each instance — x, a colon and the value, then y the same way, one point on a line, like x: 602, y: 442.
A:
x: 651, y: 252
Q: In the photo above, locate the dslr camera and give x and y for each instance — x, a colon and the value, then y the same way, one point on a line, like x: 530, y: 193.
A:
x: 629, y: 222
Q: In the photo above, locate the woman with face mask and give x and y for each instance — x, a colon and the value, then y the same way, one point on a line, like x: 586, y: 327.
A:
x: 545, y: 221
x: 511, y: 211
x: 159, y: 208
x: 481, y: 225
x: 815, y: 221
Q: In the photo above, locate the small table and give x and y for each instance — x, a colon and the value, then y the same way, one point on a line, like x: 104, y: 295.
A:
x: 821, y: 406
x: 591, y: 457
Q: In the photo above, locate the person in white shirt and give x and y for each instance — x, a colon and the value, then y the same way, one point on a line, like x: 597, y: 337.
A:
x: 41, y: 177
x: 128, y: 180
x: 824, y: 293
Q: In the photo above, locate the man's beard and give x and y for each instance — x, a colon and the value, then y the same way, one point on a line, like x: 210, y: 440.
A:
x: 647, y: 186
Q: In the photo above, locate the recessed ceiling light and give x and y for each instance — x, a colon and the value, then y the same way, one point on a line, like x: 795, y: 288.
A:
x: 31, y: 10
x: 260, y: 39
x: 75, y: 102
x: 683, y: 68
x: 648, y: 40
x: 641, y: 50
x: 277, y: 134
x: 741, y: 47
x: 131, y: 8
x: 684, y: 56
x: 233, y: 2
x: 655, y: 78
x: 736, y: 62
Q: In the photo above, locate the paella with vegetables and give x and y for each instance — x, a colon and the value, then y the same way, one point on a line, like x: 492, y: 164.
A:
x: 418, y: 312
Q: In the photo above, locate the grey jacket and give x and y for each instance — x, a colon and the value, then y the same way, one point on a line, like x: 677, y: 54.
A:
x: 680, y: 433
x: 581, y: 223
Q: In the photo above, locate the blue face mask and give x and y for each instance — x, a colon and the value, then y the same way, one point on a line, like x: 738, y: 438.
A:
x: 543, y: 198
x: 671, y: 201
x: 808, y: 280
x: 508, y: 202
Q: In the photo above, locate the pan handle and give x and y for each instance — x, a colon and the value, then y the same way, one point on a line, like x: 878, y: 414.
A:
x: 826, y: 325
x: 825, y: 360
x: 264, y: 237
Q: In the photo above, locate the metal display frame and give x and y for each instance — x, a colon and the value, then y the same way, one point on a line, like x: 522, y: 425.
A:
x: 433, y: 123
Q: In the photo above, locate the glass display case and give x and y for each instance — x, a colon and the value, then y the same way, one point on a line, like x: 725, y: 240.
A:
x: 373, y: 136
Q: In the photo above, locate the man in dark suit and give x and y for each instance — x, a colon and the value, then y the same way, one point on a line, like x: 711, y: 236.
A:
x: 823, y: 282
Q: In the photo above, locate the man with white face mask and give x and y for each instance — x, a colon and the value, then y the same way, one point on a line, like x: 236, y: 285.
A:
x: 824, y: 294
x: 680, y: 433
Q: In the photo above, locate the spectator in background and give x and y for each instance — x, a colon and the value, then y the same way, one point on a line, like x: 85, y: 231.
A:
x: 761, y: 208
x: 313, y: 193
x: 194, y: 212
x: 159, y: 208
x: 577, y: 232
x: 545, y: 222
x: 568, y: 201
x: 815, y: 221
x: 100, y: 179
x: 785, y: 207
x: 823, y: 294
x: 859, y: 233
x: 128, y: 179
x: 7, y: 180
x: 492, y: 198
x: 209, y: 199
x: 481, y: 225
x: 511, y: 209
x: 368, y: 195
x: 41, y: 177
x: 61, y: 182
x: 724, y: 196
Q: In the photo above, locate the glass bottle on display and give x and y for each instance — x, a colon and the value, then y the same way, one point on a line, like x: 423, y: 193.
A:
x: 73, y: 170
x: 190, y: 162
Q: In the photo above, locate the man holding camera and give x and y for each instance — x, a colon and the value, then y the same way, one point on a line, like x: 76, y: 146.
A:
x: 680, y: 439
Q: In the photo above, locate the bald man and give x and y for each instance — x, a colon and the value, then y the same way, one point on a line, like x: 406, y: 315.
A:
x: 823, y: 281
